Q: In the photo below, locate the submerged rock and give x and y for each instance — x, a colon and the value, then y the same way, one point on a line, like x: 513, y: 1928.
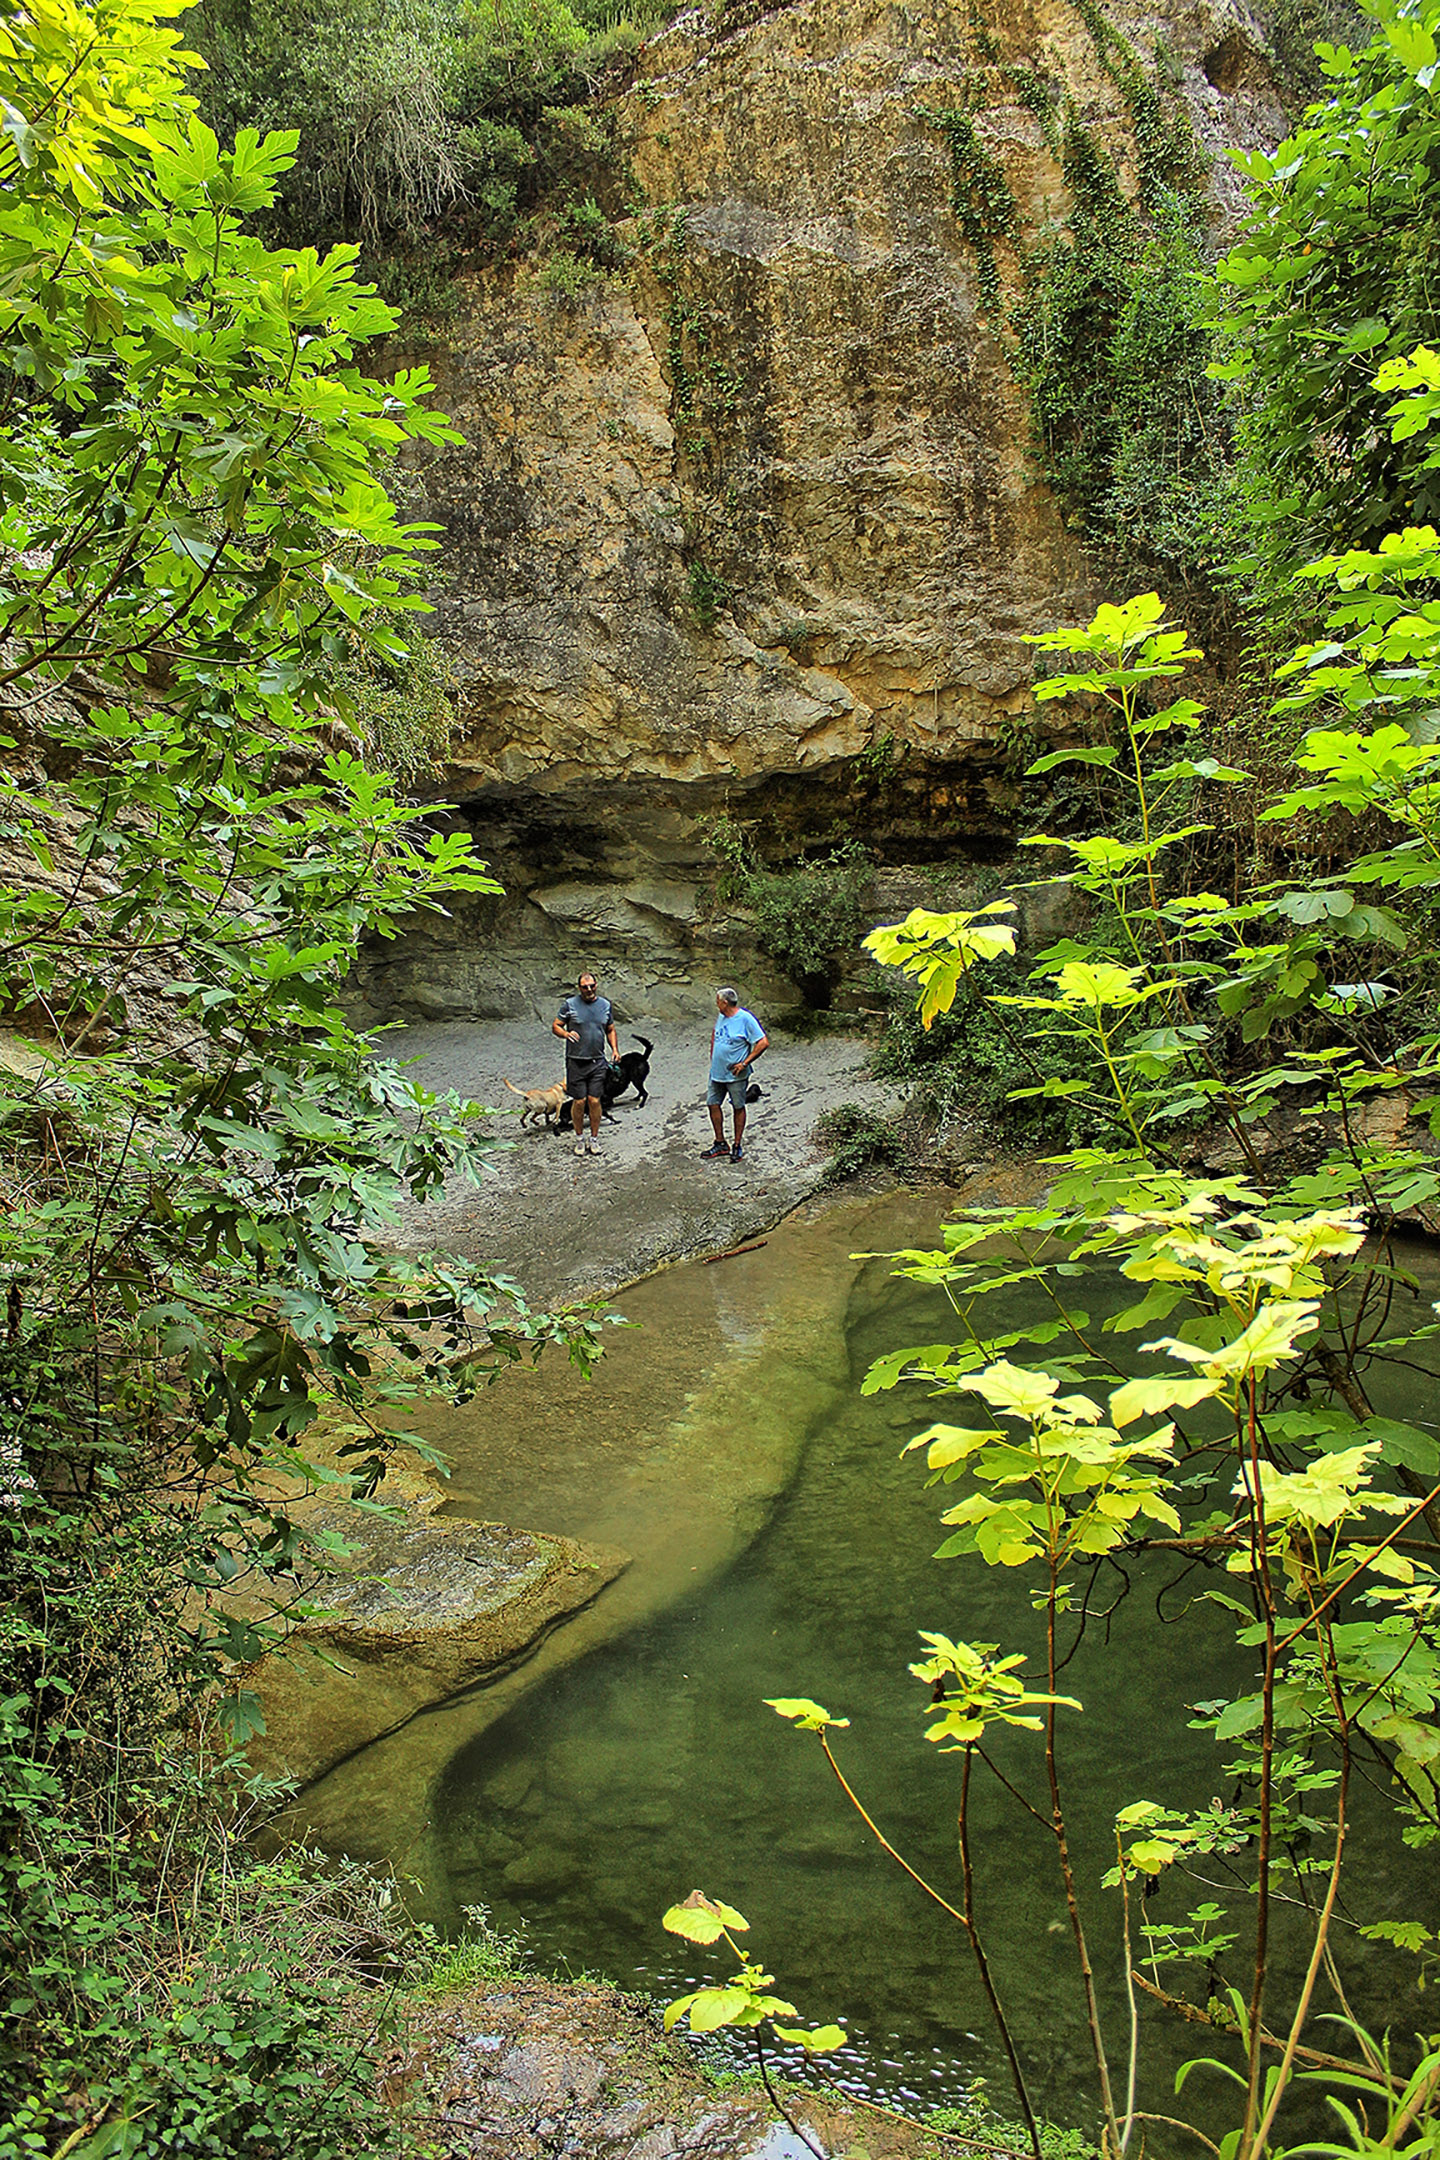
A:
x: 422, y: 1610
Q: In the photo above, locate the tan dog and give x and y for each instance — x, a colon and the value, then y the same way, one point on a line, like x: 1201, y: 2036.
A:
x: 542, y: 1104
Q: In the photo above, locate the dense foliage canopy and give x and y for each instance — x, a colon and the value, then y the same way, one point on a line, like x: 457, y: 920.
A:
x: 202, y: 1165
x: 1335, y: 272
x: 1221, y: 1426
x: 422, y: 122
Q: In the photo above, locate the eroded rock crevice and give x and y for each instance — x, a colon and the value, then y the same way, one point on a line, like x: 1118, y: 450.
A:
x: 620, y: 876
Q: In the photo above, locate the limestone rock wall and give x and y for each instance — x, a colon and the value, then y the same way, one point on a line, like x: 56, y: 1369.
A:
x: 752, y: 527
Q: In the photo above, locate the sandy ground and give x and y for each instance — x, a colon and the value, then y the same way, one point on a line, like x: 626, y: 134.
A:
x: 566, y: 1226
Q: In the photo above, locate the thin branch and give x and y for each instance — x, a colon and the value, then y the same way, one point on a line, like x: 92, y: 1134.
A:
x: 778, y: 2104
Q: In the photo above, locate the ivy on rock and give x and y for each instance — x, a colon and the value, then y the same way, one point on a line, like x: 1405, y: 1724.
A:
x: 1107, y: 327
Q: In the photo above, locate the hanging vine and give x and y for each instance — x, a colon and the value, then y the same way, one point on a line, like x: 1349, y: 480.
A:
x: 1106, y: 330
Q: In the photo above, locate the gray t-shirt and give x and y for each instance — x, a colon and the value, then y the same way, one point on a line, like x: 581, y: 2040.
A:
x: 590, y: 1022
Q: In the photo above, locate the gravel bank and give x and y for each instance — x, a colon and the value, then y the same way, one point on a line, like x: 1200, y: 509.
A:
x: 526, y: 2069
x: 566, y: 1227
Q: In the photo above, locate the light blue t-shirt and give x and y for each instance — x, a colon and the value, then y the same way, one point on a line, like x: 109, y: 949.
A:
x: 734, y: 1033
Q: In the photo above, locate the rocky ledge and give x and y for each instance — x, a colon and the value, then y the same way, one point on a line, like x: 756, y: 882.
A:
x: 527, y: 2069
x: 418, y: 1611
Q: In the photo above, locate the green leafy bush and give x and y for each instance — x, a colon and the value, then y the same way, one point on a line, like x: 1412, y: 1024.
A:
x: 568, y: 277
x: 805, y: 916
x: 1331, y: 276
x: 858, y: 1139
x: 481, y: 1953
x: 402, y: 706
x: 1298, y: 31
x: 708, y: 593
x: 201, y: 1163
x: 246, y: 2052
x: 1113, y: 347
x: 163, y: 1985
x: 377, y: 89
x: 590, y: 232
x: 424, y: 124
x: 972, y: 1059
x: 979, y: 2121
x: 808, y: 917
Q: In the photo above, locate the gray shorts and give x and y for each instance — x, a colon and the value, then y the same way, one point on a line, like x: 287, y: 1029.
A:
x: 583, y: 1080
x: 734, y: 1089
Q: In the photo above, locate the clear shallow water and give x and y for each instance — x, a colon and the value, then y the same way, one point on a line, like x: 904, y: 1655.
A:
x: 651, y: 1767
x: 779, y: 1546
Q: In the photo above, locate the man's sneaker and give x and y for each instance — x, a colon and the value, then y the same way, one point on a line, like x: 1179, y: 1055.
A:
x: 718, y: 1153
x: 593, y: 1147
x: 737, y: 1154
x: 581, y: 1148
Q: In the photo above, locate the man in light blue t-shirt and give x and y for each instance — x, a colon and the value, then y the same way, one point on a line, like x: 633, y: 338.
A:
x: 736, y: 1040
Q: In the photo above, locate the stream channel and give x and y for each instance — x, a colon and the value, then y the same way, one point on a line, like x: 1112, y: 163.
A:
x: 781, y: 1547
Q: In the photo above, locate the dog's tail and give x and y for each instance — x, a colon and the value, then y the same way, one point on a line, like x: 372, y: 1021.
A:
x: 647, y: 1047
x: 512, y: 1087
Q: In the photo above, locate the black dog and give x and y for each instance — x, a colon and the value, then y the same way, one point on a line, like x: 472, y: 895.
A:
x: 632, y: 1070
x: 629, y: 1071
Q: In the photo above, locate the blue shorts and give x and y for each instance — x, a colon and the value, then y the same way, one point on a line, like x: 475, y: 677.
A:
x: 735, y: 1089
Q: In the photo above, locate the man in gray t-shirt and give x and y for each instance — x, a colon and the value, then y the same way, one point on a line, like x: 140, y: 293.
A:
x: 585, y: 1026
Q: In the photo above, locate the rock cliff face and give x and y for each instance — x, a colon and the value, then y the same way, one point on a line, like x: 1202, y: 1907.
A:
x: 753, y: 526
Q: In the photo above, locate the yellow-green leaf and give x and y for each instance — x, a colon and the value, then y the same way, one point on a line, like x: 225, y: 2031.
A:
x: 701, y: 1919
x: 814, y: 2043
x: 809, y: 1716
x: 713, y: 2007
x: 1151, y: 1397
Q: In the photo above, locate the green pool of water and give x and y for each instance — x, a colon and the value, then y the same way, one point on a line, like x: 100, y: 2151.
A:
x: 651, y: 1767
x: 781, y: 1547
